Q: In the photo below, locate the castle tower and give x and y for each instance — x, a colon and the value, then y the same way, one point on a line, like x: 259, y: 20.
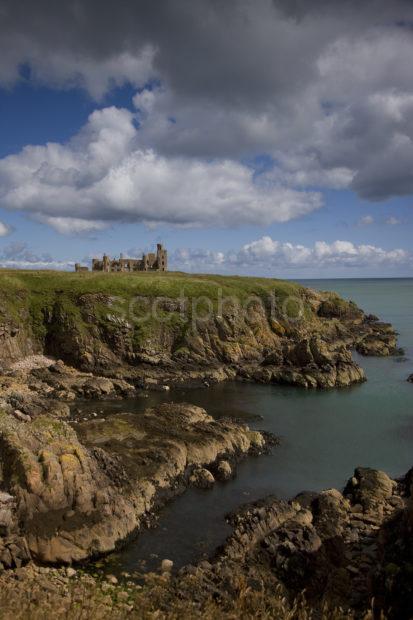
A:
x: 161, y: 257
x: 106, y: 263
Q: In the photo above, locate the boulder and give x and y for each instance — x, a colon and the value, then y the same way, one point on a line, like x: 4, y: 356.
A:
x: 273, y: 358
x: 378, y: 343
x: 223, y: 471
x: 202, y: 478
x: 166, y: 566
x: 23, y: 417
x: 7, y: 507
x: 300, y: 355
x: 369, y: 487
x: 333, y: 307
x: 112, y: 580
x: 330, y: 511
x: 291, y: 549
x: 320, y: 352
x: 13, y: 552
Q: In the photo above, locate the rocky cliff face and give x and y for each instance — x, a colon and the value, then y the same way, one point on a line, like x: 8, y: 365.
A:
x: 311, y: 352
x: 16, y: 337
x: 302, y: 339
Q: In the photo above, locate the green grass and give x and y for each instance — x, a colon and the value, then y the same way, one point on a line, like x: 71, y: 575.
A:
x: 32, y: 296
x: 170, y: 284
x: 40, y: 289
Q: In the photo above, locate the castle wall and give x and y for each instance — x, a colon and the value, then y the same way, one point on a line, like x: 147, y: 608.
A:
x: 148, y: 262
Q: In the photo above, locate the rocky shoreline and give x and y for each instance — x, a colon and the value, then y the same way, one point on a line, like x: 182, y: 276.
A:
x: 69, y: 496
x: 347, y: 549
x: 72, y: 488
x: 83, y: 486
x: 331, y: 554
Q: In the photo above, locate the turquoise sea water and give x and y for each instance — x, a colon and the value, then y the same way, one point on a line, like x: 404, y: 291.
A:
x: 325, y: 434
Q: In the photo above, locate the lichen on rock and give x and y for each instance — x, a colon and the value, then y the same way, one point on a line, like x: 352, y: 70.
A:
x: 79, y: 493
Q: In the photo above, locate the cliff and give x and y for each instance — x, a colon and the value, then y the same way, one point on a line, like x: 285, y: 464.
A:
x: 171, y: 326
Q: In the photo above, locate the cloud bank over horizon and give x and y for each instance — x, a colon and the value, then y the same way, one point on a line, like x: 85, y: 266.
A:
x: 260, y: 254
x: 270, y: 254
x: 18, y: 255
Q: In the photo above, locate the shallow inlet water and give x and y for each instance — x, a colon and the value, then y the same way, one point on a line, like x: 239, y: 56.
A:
x: 324, y: 435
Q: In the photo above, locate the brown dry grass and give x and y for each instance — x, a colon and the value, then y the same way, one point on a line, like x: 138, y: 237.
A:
x: 84, y: 598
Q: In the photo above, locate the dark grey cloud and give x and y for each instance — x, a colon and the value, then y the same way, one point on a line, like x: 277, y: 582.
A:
x: 236, y: 50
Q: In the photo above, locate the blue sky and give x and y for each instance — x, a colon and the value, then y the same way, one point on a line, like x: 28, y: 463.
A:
x: 242, y: 168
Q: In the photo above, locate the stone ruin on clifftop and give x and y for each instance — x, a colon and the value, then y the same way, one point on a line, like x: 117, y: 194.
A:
x: 148, y: 262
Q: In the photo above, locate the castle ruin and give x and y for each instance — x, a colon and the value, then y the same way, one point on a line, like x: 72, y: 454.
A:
x: 148, y: 262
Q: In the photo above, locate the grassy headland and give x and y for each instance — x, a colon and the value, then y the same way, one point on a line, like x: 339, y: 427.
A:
x: 36, y: 292
x: 170, y: 284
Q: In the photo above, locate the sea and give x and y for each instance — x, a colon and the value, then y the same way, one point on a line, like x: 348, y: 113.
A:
x: 324, y: 435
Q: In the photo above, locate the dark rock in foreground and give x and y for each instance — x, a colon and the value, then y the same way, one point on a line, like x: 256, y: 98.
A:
x: 72, y: 495
x: 350, y: 550
x: 322, y: 555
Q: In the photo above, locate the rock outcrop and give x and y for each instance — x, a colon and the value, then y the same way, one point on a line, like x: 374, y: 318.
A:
x: 350, y: 551
x: 70, y: 495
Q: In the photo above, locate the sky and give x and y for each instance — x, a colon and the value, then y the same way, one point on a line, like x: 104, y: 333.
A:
x: 257, y: 137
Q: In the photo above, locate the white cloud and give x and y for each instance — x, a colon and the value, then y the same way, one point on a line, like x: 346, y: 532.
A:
x: 72, y: 225
x: 264, y: 255
x: 392, y: 221
x: 4, y: 229
x: 354, y: 130
x: 19, y: 256
x: 187, y: 258
x: 40, y: 264
x: 367, y: 220
x: 269, y: 254
x: 342, y: 253
x: 104, y: 175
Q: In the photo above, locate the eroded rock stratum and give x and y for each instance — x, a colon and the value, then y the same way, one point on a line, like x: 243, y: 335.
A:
x: 67, y: 496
